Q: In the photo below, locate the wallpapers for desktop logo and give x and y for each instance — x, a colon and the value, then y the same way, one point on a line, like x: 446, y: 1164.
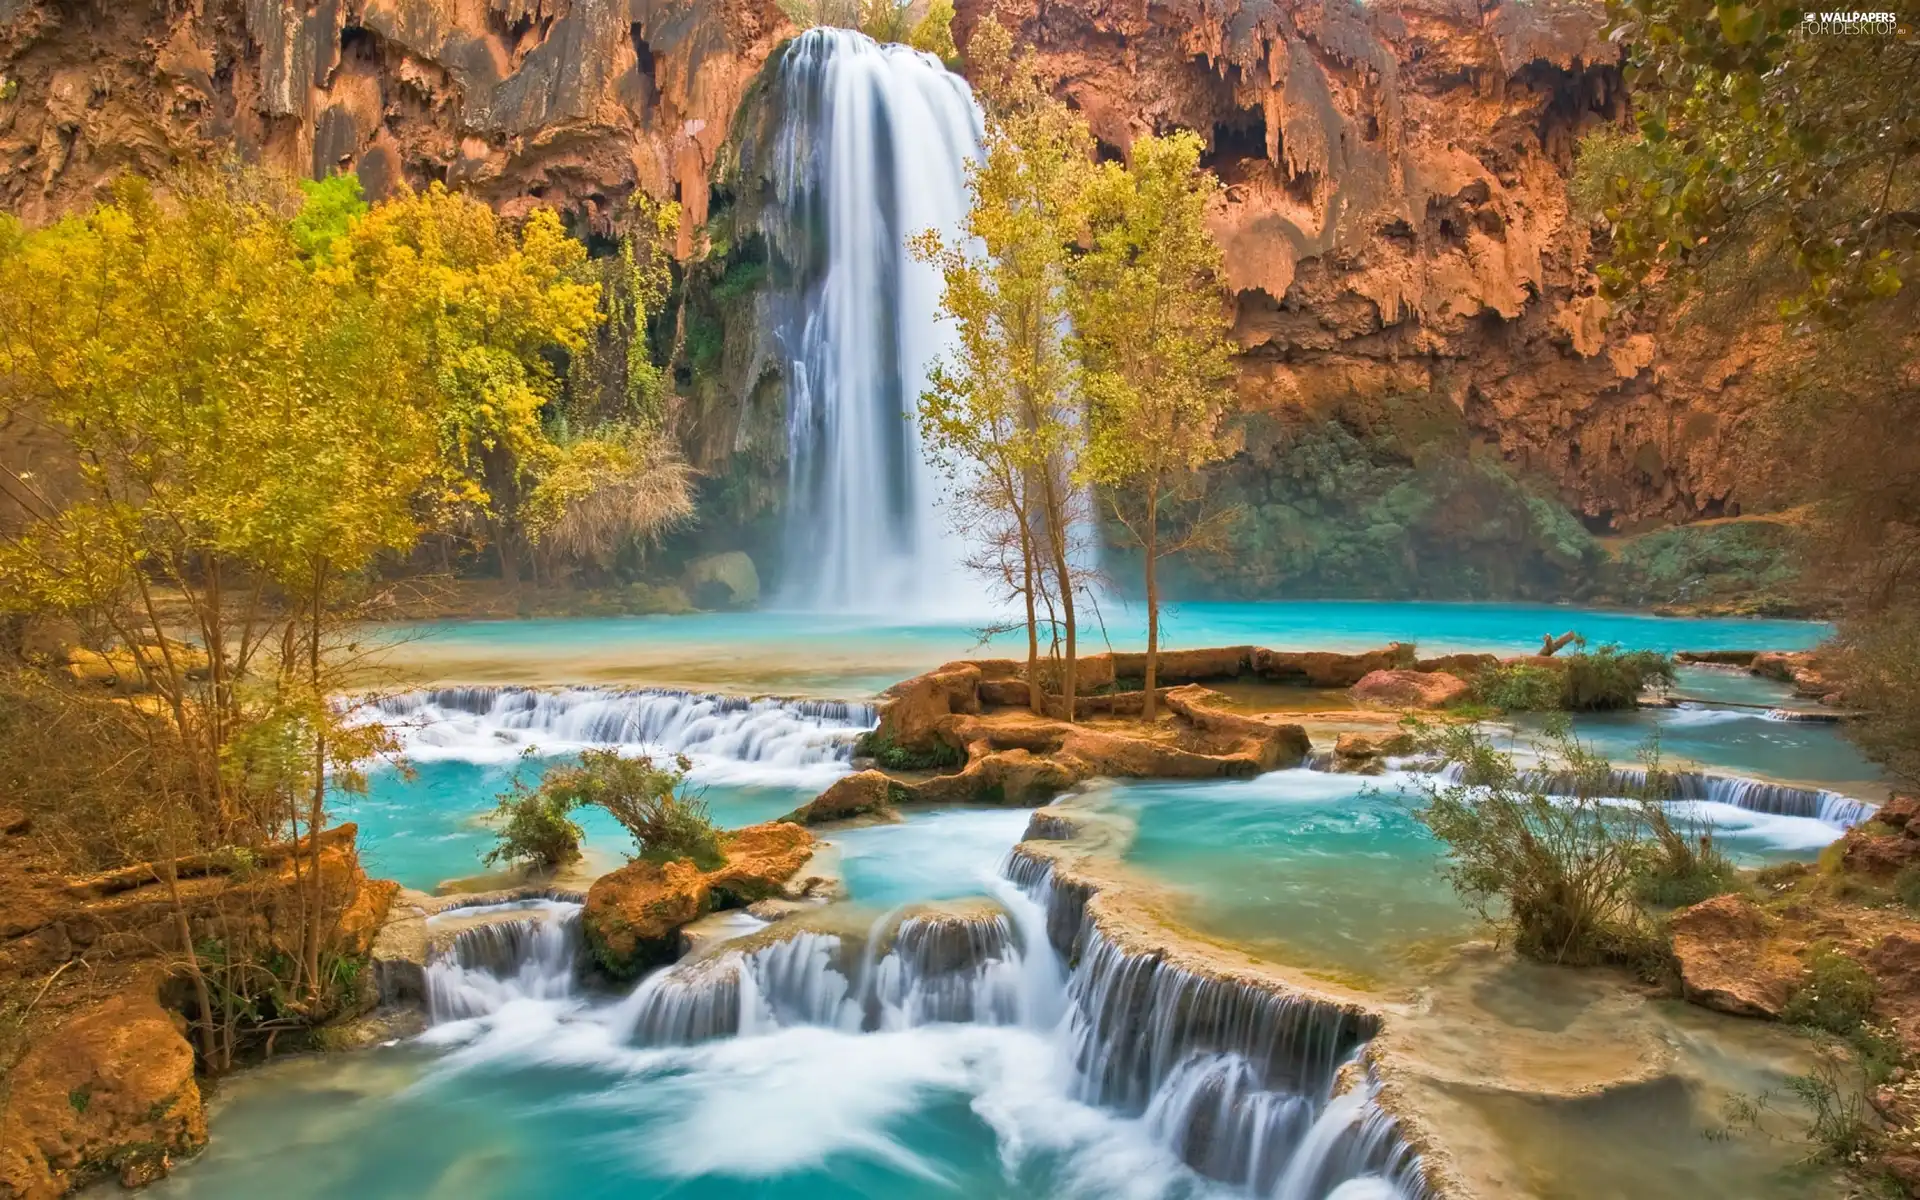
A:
x: 1882, y: 23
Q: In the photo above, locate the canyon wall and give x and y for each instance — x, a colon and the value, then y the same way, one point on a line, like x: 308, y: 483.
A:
x: 1414, y: 299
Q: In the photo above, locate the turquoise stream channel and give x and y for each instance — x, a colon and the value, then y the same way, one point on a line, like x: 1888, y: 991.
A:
x: 831, y: 1066
x: 806, y: 653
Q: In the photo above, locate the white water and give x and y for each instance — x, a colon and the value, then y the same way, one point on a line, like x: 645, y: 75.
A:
x: 800, y: 743
x: 1120, y: 1078
x: 874, y: 152
x: 1710, y: 795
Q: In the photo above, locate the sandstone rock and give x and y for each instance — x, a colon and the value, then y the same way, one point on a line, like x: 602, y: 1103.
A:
x: 1898, y: 811
x: 1895, y: 964
x: 109, y: 1091
x: 1409, y: 689
x: 1326, y: 669
x: 1354, y: 750
x: 913, y: 711
x: 632, y: 916
x: 1729, y: 959
x: 723, y: 581
x: 1874, y: 848
x: 863, y: 793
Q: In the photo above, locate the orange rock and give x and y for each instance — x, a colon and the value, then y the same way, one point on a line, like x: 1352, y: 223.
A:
x: 1326, y: 669
x: 1409, y: 689
x: 863, y: 793
x: 109, y: 1091
x: 633, y: 916
x: 1730, y: 959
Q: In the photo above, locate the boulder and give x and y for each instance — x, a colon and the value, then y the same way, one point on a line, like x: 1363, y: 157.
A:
x: 632, y: 916
x: 723, y: 581
x: 861, y: 794
x: 1409, y: 689
x: 109, y: 1091
x: 914, y: 711
x: 1881, y: 847
x: 1364, y: 752
x: 1729, y: 960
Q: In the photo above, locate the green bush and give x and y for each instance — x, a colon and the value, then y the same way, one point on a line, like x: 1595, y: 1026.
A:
x: 535, y: 828
x: 1588, y: 681
x: 1611, y: 678
x: 1557, y: 873
x: 1835, y: 995
x: 883, y: 749
x: 1518, y: 687
x: 1906, y: 885
x: 649, y: 801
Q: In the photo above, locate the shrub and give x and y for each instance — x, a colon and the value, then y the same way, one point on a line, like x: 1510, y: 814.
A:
x: 1835, y: 995
x: 1558, y: 873
x: 1609, y: 678
x: 534, y: 828
x: 883, y: 749
x: 1517, y: 687
x: 1906, y: 885
x: 649, y: 801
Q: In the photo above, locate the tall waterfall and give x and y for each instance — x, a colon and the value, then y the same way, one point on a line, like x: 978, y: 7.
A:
x: 873, y: 151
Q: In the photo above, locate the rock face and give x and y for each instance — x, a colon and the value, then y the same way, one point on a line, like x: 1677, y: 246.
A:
x: 1396, y: 224
x: 570, y: 103
x: 1729, y: 960
x: 723, y: 581
x: 861, y: 794
x: 110, y: 1091
x: 1395, y: 215
x: 633, y: 915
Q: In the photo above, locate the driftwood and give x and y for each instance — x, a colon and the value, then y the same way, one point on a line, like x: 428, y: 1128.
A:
x: 1550, y: 645
x: 193, y: 866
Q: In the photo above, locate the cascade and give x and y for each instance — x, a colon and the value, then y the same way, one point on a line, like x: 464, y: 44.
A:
x: 872, y: 153
x: 1235, y: 1080
x: 1754, y: 795
x: 489, y: 966
x: 498, y: 722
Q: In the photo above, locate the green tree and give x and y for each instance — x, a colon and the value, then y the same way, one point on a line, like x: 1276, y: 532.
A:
x: 1150, y: 316
x: 1002, y: 409
x: 1766, y: 138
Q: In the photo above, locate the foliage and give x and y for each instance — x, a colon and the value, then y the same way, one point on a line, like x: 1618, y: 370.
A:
x: 1383, y: 497
x: 1768, y: 139
x: 245, y: 397
x: 648, y: 799
x: 1560, y: 873
x: 625, y: 485
x: 329, y: 206
x: 1746, y: 566
x: 933, y: 33
x: 1878, y: 655
x: 1835, y: 995
x: 1608, y: 677
x: 1518, y: 687
x: 618, y: 378
x: 1839, y: 1120
x: 1149, y: 310
x: 883, y: 749
x: 535, y: 826
x: 1906, y: 885
x: 1000, y: 413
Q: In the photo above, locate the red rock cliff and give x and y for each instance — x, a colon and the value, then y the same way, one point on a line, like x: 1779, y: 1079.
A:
x: 1396, y: 218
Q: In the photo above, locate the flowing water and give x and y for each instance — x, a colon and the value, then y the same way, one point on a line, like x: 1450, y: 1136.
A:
x: 875, y: 142
x: 945, y: 1053
x: 752, y: 761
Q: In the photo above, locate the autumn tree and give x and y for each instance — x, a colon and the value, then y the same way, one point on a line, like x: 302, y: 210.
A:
x: 241, y: 406
x: 1150, y: 320
x: 1003, y: 405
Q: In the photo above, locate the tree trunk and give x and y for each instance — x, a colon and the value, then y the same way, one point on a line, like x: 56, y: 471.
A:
x: 509, y: 562
x: 1150, y: 543
x: 1036, y: 695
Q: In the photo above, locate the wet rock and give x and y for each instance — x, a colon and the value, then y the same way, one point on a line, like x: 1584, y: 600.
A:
x: 861, y: 794
x: 1364, y: 753
x: 109, y: 1091
x: 1730, y: 959
x: 1409, y: 689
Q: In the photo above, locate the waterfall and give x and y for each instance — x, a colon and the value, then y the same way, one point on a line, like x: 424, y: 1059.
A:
x: 1240, y: 1082
x: 873, y: 151
x: 497, y: 723
x: 1754, y: 795
x: 492, y: 965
